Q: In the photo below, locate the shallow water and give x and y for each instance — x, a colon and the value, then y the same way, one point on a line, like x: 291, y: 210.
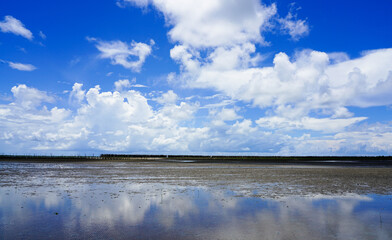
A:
x: 124, y: 200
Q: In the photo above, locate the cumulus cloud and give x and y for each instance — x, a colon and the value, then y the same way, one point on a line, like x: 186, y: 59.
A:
x: 122, y: 84
x: 228, y: 114
x: 370, y: 140
x: 15, y: 26
x: 77, y: 94
x: 222, y: 115
x: 310, y: 82
x: 230, y: 30
x: 131, y: 56
x: 212, y: 23
x: 168, y: 98
x: 26, y: 122
x: 115, y: 121
x: 102, y: 121
x: 295, y: 87
x: 125, y: 121
x: 29, y: 98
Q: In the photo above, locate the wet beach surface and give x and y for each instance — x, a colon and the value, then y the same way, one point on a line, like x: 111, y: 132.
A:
x: 186, y: 200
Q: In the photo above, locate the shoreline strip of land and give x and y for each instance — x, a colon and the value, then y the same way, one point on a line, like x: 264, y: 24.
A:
x: 308, y: 160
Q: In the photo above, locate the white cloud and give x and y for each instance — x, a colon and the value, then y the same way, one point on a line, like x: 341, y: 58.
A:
x: 337, y: 57
x: 311, y: 82
x: 29, y: 98
x: 131, y: 56
x: 315, y: 124
x: 226, y: 114
x: 370, y: 140
x: 111, y: 105
x: 13, y: 25
x: 139, y: 86
x: 102, y: 121
x: 296, y: 28
x: 22, y: 66
x: 230, y: 30
x: 168, y: 98
x: 364, y: 82
x: 111, y: 121
x: 295, y: 88
x: 124, y: 121
x: 122, y: 84
x: 77, y: 94
x: 212, y: 23
x: 27, y: 122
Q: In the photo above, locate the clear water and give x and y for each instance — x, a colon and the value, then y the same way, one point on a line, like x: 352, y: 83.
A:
x: 134, y: 201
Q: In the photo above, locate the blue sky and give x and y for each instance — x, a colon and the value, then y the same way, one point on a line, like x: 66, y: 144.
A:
x: 198, y: 77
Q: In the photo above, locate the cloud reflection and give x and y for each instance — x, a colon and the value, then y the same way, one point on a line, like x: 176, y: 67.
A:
x: 211, y: 213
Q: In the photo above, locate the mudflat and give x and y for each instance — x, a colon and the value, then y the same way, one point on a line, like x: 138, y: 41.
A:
x: 182, y: 199
x: 266, y: 180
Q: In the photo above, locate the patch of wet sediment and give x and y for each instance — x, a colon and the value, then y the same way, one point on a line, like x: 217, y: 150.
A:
x: 252, y: 180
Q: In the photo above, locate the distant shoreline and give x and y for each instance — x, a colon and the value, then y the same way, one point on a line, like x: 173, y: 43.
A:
x: 308, y: 160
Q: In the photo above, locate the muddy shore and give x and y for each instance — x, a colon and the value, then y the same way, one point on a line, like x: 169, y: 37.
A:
x: 272, y: 180
x: 290, y: 160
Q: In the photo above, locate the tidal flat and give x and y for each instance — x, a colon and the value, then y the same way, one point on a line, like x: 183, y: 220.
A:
x: 189, y: 200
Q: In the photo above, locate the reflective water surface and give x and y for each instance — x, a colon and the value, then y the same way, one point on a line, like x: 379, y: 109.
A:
x: 124, y: 200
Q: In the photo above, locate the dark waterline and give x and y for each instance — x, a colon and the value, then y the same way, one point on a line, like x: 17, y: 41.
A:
x: 125, y: 200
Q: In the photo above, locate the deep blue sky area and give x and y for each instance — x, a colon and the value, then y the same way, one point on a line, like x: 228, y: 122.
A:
x: 340, y: 26
x: 208, y: 77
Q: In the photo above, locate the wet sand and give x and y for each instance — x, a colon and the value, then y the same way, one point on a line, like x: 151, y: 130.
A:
x: 267, y: 180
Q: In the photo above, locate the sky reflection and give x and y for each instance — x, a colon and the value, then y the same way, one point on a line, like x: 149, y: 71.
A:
x: 154, y: 210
